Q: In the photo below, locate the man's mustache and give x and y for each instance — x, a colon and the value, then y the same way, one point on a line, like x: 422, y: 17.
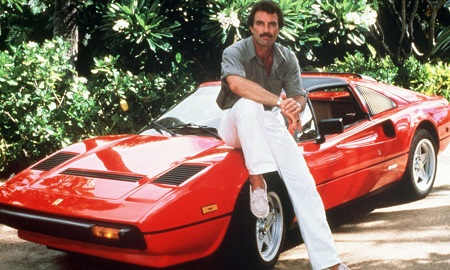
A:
x: 266, y: 35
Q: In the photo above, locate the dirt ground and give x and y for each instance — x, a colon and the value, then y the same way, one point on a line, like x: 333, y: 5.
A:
x: 382, y: 232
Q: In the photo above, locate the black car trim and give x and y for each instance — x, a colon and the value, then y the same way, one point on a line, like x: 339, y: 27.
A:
x: 188, y: 225
x: 130, y: 237
x: 54, y: 161
x: 103, y: 175
x: 179, y: 175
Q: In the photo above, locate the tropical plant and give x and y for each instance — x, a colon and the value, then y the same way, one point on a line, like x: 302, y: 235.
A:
x: 380, y: 69
x: 228, y: 20
x: 308, y: 22
x: 42, y: 108
x: 12, y: 3
x: 125, y: 102
x: 430, y: 78
x: 442, y: 46
x: 347, y: 21
x: 138, y: 25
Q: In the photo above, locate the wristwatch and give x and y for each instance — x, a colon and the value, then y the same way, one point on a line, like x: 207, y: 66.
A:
x: 280, y: 100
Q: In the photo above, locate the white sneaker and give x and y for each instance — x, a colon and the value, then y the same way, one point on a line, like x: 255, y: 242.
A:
x: 259, y: 204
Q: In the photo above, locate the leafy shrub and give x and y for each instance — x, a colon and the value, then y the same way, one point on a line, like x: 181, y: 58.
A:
x: 44, y: 105
x: 139, y: 27
x: 428, y: 78
x: 382, y: 70
x: 125, y: 102
x: 431, y: 79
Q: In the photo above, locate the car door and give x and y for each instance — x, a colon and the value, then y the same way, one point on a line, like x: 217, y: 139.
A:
x: 346, y: 165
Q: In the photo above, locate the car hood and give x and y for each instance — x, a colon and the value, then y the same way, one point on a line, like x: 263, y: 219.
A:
x: 125, y: 176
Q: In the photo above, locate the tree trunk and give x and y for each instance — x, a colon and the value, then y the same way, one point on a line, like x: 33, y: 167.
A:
x: 65, y: 25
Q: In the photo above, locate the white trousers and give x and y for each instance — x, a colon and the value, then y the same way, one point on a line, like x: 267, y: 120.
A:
x: 268, y: 146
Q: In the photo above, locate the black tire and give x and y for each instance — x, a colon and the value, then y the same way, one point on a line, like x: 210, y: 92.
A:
x: 253, y: 243
x: 420, y: 173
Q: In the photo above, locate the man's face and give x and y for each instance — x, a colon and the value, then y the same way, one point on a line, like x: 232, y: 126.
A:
x: 265, y: 28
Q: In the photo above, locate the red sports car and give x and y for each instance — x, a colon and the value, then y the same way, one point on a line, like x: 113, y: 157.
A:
x: 176, y: 193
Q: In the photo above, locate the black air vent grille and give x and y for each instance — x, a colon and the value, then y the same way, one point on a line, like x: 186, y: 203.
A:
x: 103, y: 175
x: 54, y: 161
x: 180, y: 174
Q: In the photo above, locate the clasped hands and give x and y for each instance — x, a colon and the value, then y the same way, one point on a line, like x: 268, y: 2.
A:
x: 291, y: 109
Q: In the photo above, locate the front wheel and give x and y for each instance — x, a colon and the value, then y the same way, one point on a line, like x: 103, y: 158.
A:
x: 422, y: 165
x: 253, y: 243
x: 270, y: 231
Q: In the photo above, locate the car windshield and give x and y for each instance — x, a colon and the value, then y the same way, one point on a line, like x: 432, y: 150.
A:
x: 199, y: 108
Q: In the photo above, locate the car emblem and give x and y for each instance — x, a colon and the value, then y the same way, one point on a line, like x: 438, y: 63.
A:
x: 57, y: 202
x: 91, y: 184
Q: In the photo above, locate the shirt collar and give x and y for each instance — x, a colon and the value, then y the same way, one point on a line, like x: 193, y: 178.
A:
x: 278, y: 57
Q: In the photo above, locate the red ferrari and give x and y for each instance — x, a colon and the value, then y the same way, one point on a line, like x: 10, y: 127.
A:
x: 175, y: 192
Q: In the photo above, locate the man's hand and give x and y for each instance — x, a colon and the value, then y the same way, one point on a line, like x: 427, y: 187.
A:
x: 291, y: 109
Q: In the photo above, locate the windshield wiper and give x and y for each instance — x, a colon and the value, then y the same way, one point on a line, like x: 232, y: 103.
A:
x: 159, y: 128
x: 204, y: 128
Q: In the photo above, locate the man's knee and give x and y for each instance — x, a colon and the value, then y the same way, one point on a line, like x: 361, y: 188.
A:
x: 248, y: 109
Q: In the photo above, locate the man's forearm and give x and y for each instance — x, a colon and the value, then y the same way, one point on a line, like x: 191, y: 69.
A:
x: 250, y: 90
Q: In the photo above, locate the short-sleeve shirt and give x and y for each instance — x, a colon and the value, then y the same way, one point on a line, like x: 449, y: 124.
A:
x: 240, y: 59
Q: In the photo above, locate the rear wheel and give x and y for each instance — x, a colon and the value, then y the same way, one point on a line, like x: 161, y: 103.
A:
x: 253, y: 243
x: 422, y: 165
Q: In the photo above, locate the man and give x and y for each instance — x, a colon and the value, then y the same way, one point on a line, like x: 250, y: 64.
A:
x: 254, y: 73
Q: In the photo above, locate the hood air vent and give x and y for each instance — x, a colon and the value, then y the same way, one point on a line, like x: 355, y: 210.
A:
x: 103, y: 175
x: 54, y: 161
x: 178, y: 175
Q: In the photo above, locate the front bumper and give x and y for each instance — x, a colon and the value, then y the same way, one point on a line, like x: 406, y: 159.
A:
x: 130, y: 237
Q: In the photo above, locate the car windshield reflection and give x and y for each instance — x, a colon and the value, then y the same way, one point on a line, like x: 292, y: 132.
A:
x: 197, y: 110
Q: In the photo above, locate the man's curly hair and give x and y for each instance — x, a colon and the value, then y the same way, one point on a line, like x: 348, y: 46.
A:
x: 269, y: 7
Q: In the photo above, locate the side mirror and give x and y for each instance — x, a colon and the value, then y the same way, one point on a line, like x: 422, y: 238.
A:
x: 329, y: 126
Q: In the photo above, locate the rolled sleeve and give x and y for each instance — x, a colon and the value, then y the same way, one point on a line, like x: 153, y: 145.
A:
x: 231, y: 63
x: 293, y: 81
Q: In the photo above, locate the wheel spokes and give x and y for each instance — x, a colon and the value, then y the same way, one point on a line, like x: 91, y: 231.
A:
x: 423, y: 165
x: 270, y: 229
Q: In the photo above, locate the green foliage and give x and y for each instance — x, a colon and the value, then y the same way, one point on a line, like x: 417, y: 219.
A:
x: 343, y: 21
x: 381, y: 69
x: 442, y: 46
x: 430, y: 79
x: 142, y: 25
x: 12, y: 3
x: 301, y: 26
x: 125, y: 102
x: 227, y: 19
x: 347, y: 20
x: 44, y: 106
